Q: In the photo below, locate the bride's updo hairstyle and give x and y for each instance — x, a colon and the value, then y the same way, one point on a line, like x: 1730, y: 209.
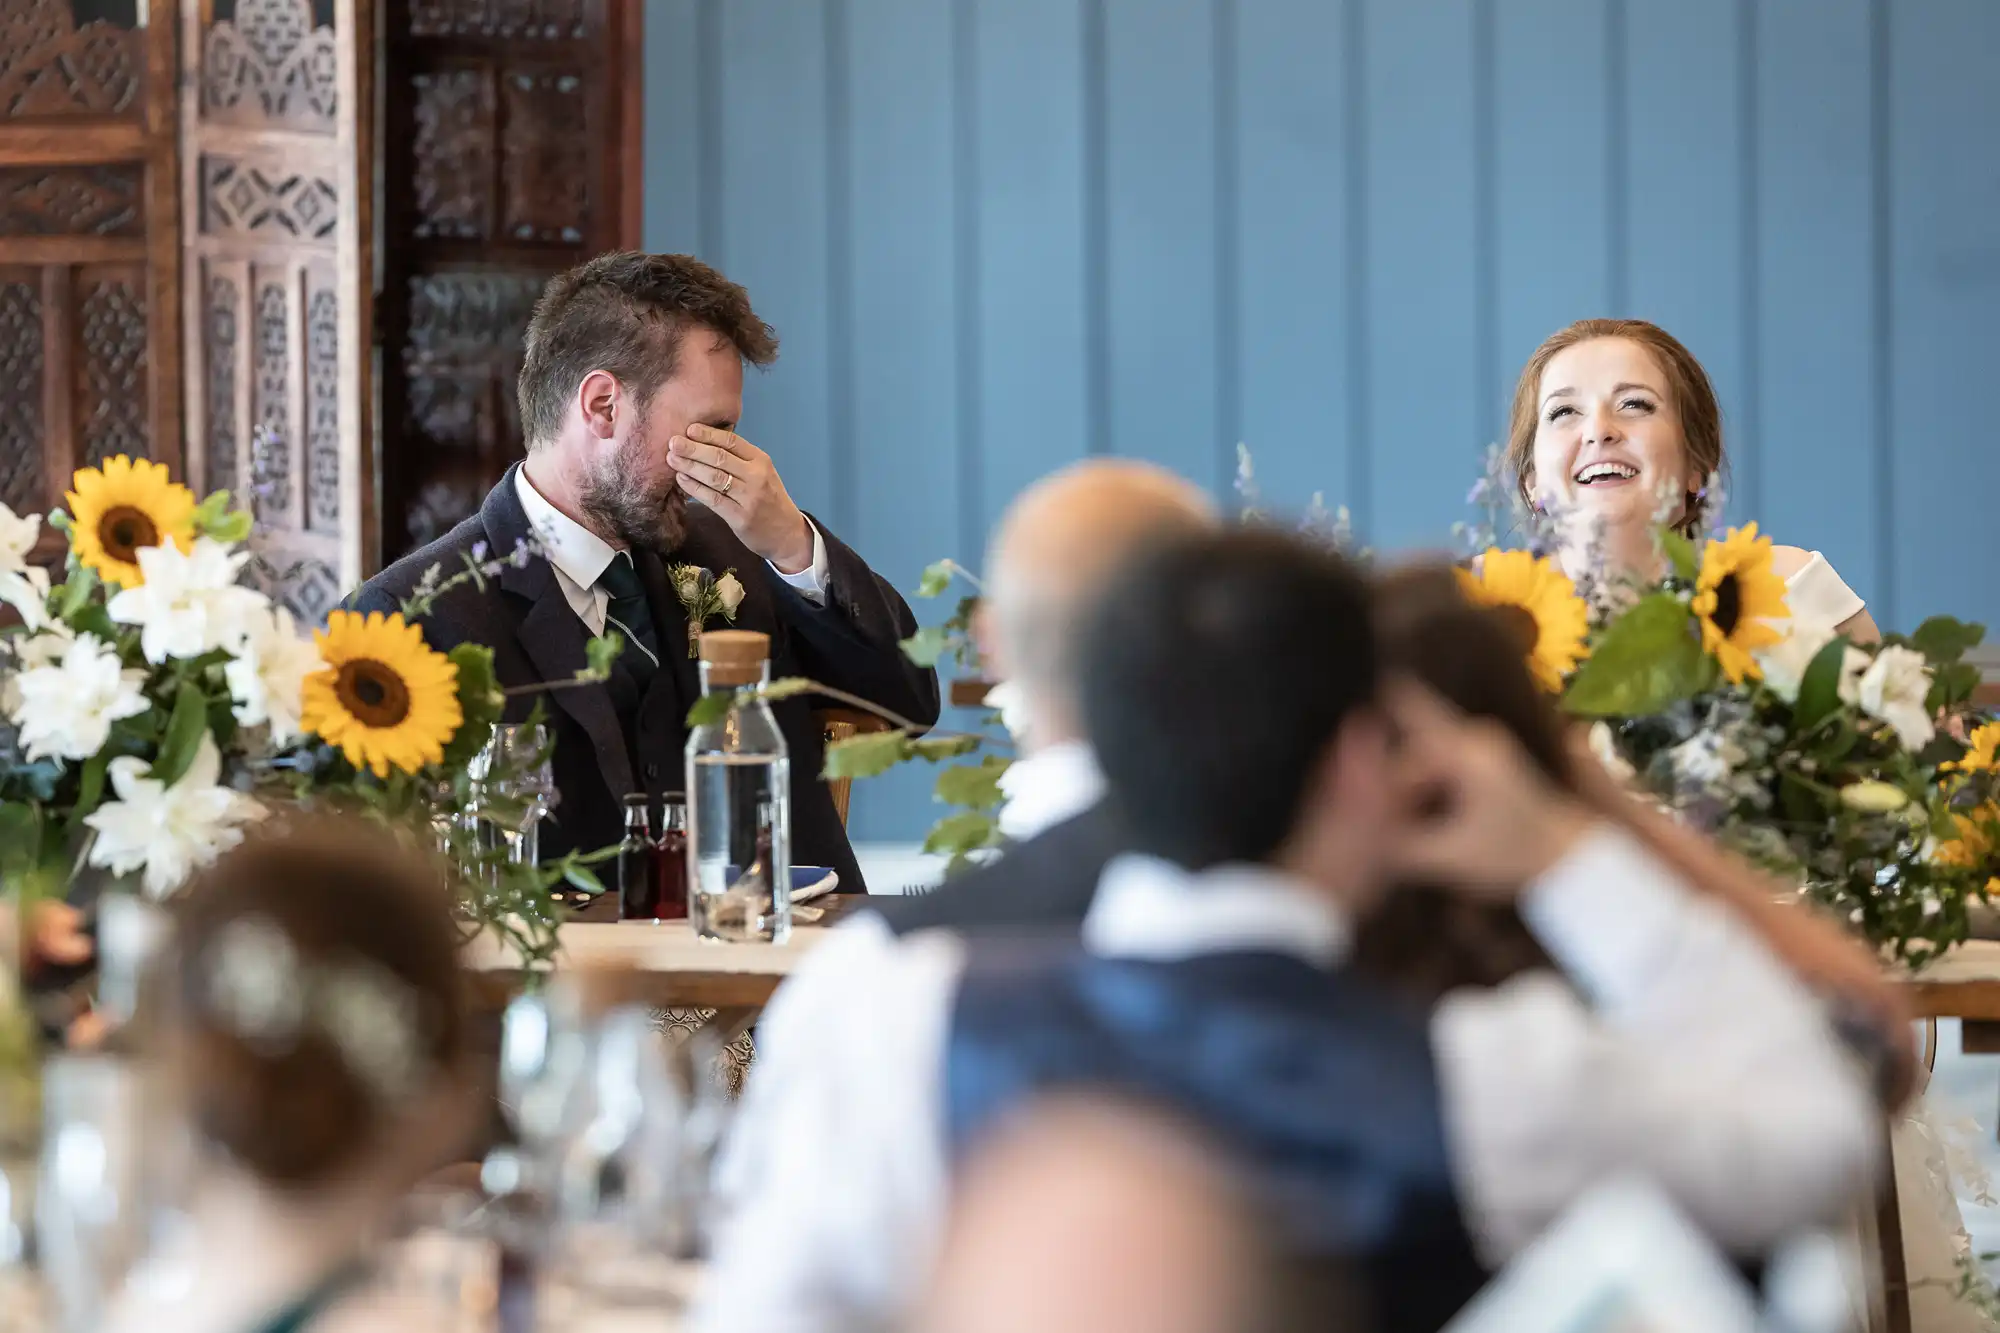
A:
x: 1693, y: 394
x: 313, y: 995
x: 1425, y: 940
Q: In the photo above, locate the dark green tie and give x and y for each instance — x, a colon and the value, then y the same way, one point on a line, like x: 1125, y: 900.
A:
x: 630, y: 616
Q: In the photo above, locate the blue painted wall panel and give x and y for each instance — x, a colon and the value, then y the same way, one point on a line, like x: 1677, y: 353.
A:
x: 999, y: 234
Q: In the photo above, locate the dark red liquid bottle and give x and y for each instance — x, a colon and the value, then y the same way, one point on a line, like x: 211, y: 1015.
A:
x: 670, y: 861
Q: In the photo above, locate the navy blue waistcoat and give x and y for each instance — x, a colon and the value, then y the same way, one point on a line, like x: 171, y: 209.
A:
x: 1319, y: 1086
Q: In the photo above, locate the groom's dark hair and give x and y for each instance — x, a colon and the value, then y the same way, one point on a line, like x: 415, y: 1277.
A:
x: 627, y: 313
x: 1215, y: 674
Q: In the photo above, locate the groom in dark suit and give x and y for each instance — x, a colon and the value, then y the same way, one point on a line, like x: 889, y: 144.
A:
x: 631, y: 389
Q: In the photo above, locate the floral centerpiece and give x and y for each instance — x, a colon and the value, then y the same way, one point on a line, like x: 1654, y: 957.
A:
x: 1835, y: 765
x: 153, y: 708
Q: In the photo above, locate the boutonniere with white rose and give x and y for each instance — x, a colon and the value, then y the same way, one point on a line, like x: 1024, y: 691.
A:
x: 704, y: 597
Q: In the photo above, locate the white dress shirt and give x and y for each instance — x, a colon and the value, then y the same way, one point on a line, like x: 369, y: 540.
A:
x: 1046, y: 788
x: 580, y: 557
x: 1700, y: 1061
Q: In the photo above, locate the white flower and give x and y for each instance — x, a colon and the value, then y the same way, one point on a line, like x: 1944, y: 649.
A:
x: 1893, y: 689
x: 1785, y: 662
x: 730, y: 593
x: 1605, y: 747
x: 190, y: 603
x: 171, y: 831
x: 23, y: 586
x: 687, y: 582
x: 30, y: 652
x: 66, y: 709
x: 267, y: 675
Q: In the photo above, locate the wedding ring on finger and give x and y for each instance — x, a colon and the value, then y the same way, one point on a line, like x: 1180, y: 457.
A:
x: 728, y: 480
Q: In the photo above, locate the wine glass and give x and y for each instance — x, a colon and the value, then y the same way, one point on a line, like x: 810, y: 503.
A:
x: 91, y: 1214
x: 618, y: 1200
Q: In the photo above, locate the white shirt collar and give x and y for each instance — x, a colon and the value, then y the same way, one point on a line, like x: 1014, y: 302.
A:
x: 1149, y: 908
x: 578, y: 553
x: 1048, y: 787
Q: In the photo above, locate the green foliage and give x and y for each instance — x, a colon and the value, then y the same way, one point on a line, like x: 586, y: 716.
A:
x: 936, y: 578
x: 950, y: 745
x: 957, y: 835
x: 1648, y: 658
x: 1819, y: 691
x: 974, y: 786
x: 1681, y: 555
x: 1945, y: 640
x: 928, y: 645
x: 600, y: 654
x: 481, y: 703
x: 214, y: 518
x: 868, y: 755
x: 186, y: 726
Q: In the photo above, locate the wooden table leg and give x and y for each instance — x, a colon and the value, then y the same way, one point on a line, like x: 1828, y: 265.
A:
x: 1889, y: 1243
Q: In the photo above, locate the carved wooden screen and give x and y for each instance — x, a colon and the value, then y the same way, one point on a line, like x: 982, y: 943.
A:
x: 274, y: 123
x: 510, y: 152
x: 89, y: 363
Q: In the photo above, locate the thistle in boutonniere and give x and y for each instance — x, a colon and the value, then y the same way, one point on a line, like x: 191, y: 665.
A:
x: 704, y: 597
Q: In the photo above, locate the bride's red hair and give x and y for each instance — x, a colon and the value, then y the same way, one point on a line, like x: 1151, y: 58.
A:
x: 1694, y: 400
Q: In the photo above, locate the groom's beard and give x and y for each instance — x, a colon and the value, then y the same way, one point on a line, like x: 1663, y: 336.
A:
x: 647, y: 517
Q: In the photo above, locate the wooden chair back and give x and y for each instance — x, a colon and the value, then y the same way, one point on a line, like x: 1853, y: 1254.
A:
x: 839, y: 724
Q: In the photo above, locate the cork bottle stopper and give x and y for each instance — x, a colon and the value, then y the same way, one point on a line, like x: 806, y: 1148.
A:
x: 735, y: 656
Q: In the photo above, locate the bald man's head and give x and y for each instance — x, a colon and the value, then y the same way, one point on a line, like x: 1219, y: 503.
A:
x: 1057, y: 547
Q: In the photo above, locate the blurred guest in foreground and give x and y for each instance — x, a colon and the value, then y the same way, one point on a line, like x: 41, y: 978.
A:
x: 311, y: 1027
x: 1274, y: 786
x: 1128, y: 1222
x: 1055, y: 548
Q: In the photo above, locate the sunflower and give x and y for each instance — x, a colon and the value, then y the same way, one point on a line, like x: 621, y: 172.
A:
x: 386, y: 699
x: 120, y: 509
x: 1540, y: 602
x: 1735, y: 596
x: 1982, y: 751
x: 1971, y: 845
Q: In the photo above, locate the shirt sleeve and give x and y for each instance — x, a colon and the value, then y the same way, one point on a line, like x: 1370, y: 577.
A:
x: 1698, y: 1061
x: 830, y: 1194
x: 812, y: 580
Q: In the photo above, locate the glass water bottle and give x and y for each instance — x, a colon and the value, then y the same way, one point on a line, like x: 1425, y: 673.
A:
x: 739, y: 784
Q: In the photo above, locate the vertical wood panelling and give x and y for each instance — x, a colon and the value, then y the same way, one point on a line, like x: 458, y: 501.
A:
x: 1552, y: 182
x: 1160, y: 253
x: 774, y: 227
x: 1292, y: 352
x: 1684, y: 198
x: 1944, y: 190
x: 1032, y: 290
x: 1423, y: 434
x: 675, y: 117
x: 1814, y: 287
x: 902, y: 360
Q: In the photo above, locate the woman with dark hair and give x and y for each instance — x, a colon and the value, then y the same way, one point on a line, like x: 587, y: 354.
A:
x: 311, y: 1028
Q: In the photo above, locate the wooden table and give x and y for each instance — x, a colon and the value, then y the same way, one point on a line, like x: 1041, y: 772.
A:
x: 1965, y: 983
x: 665, y: 965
